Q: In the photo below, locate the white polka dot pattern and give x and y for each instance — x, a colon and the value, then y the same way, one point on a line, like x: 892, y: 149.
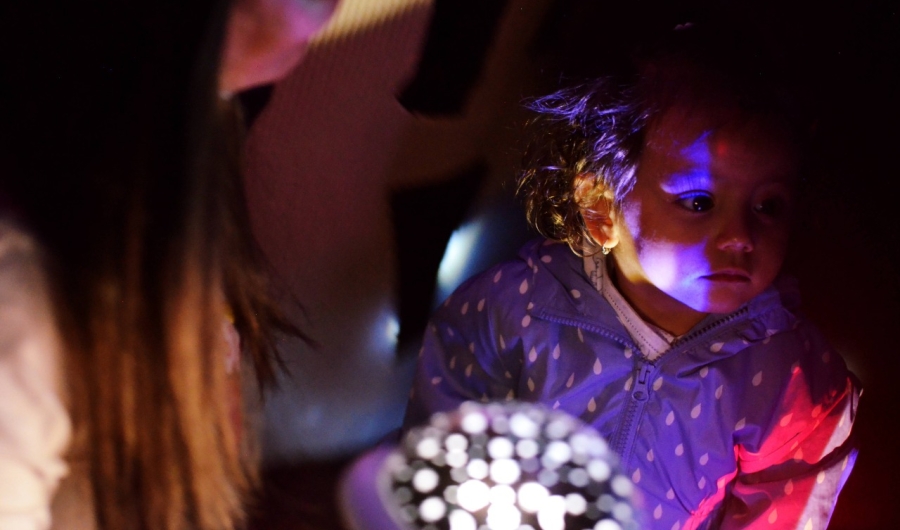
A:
x: 529, y: 326
x: 757, y: 379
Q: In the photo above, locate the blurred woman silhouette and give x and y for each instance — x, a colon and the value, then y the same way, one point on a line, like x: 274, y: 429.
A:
x: 131, y: 296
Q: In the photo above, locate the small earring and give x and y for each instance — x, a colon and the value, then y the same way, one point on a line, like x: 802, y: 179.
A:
x: 604, y: 249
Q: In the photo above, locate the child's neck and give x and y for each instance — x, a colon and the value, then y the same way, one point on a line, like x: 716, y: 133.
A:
x: 653, y: 305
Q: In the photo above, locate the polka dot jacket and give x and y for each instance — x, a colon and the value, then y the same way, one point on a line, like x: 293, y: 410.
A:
x: 743, y: 423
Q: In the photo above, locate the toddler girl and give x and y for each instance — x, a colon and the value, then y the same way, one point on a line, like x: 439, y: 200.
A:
x: 652, y: 311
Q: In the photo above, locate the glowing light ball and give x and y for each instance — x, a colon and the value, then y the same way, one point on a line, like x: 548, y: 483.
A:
x: 507, y: 466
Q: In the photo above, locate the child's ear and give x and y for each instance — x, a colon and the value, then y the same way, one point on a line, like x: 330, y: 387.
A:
x: 596, y: 204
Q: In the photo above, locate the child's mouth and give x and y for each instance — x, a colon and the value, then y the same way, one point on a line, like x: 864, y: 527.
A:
x: 728, y: 277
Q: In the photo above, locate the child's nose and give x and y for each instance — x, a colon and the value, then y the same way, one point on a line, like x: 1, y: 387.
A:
x: 736, y: 235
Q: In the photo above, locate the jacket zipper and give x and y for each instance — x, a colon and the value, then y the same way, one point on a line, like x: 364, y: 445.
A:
x: 718, y: 323
x: 624, y: 437
x: 640, y: 393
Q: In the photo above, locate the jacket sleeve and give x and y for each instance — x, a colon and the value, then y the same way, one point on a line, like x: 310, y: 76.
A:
x: 34, y: 424
x: 463, y: 356
x: 793, y: 478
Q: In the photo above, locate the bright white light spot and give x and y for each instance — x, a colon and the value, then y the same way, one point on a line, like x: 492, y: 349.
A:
x: 474, y: 423
x: 500, y: 448
x: 621, y: 486
x: 581, y: 442
x: 607, y: 524
x: 428, y: 448
x: 557, y: 428
x: 503, y: 494
x: 432, y: 509
x: 503, y: 517
x: 558, y: 452
x: 456, y: 256
x: 552, y: 515
x: 456, y: 458
x: 425, y: 480
x: 505, y: 471
x: 575, y: 504
x: 477, y: 469
x: 393, y: 328
x: 456, y: 442
x: 532, y: 496
x: 527, y: 448
x: 599, y: 470
x: 473, y: 495
x: 523, y: 426
x: 462, y: 520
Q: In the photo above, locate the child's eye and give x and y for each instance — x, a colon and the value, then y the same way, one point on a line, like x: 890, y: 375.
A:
x: 770, y: 207
x: 698, y: 202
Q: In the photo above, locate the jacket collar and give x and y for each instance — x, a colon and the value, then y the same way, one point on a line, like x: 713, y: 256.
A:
x: 562, y: 292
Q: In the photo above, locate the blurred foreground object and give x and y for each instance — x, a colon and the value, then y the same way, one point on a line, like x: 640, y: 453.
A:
x: 509, y: 466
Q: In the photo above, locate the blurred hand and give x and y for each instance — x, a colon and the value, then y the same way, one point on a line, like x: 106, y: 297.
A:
x: 266, y: 38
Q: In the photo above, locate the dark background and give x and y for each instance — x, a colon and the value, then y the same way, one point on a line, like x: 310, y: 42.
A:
x: 844, y: 60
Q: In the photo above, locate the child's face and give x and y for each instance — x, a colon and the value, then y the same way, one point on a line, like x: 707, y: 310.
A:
x: 707, y: 221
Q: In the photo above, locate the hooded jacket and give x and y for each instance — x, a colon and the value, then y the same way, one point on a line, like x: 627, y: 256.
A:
x: 743, y: 423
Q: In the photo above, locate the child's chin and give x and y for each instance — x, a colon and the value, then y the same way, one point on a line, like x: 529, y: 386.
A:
x: 727, y: 303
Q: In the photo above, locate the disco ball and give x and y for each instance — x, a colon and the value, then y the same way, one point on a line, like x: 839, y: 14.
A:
x: 508, y: 466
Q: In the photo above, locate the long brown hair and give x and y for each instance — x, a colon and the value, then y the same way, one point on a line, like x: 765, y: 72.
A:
x: 119, y: 159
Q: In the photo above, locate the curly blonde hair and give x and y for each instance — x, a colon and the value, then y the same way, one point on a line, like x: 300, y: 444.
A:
x: 593, y: 130
x: 596, y: 130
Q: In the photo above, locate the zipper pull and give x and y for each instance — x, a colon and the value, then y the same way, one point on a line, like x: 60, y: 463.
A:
x: 641, y: 391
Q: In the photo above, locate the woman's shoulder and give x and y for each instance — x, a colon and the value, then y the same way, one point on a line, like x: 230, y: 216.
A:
x: 35, y: 429
x: 22, y: 275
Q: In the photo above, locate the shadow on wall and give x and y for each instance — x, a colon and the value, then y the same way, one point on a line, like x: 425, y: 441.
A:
x: 354, y: 196
x: 350, y: 196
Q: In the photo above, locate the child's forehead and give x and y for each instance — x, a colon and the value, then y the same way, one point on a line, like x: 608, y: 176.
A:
x: 724, y: 136
x: 725, y: 130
